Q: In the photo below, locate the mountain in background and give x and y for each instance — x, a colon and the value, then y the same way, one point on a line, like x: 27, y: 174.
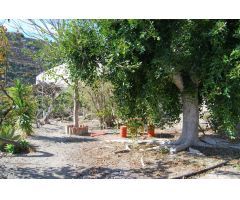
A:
x: 21, y: 64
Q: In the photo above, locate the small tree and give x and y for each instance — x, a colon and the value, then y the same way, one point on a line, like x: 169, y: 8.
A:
x: 79, y: 45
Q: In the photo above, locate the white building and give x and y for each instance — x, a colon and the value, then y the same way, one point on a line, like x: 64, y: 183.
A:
x: 58, y: 75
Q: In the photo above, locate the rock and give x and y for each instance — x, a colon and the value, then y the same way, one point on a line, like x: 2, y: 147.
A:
x: 195, y: 151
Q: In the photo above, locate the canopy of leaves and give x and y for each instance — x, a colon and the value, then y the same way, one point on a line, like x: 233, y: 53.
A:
x: 81, y: 47
x: 145, y: 54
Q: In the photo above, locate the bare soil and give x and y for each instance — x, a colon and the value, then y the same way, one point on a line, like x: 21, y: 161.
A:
x: 59, y: 156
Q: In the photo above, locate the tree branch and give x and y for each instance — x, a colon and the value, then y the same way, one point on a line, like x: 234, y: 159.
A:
x: 177, y: 80
x: 5, y: 114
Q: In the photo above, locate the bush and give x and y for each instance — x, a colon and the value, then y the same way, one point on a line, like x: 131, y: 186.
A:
x: 22, y: 147
x: 24, y: 107
x: 62, y: 106
x: 135, y: 127
x: 10, y: 148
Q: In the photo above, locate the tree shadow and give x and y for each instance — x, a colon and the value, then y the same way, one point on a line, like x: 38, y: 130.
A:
x: 164, y: 135
x: 72, y: 139
x: 37, y: 154
x: 159, y: 172
x: 219, y: 153
x: 80, y: 172
x: 228, y: 173
x: 52, y: 128
x: 66, y: 172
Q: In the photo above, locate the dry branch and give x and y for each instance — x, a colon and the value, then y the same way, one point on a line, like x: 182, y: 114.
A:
x: 188, y: 175
x: 122, y: 151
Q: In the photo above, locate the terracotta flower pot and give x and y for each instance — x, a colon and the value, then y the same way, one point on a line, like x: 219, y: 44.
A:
x: 151, y: 131
x: 123, y: 131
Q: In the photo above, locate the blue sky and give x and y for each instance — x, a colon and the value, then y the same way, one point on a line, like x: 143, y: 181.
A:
x: 22, y: 26
x: 12, y: 27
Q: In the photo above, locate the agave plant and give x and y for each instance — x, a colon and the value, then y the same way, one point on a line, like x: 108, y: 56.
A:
x: 8, y: 132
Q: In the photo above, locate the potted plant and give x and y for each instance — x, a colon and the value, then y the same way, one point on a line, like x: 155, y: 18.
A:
x: 151, y: 130
x: 135, y: 126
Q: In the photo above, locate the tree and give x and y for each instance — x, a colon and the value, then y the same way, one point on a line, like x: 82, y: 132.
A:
x: 79, y: 46
x: 172, y: 66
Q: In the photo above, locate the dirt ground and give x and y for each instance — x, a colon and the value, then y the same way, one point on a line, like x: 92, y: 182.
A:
x: 59, y: 156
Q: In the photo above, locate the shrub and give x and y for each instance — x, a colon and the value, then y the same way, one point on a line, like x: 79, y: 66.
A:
x: 135, y: 127
x: 24, y: 107
x: 10, y: 148
x: 23, y: 146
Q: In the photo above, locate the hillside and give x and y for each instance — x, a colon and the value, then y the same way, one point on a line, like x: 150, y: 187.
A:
x: 21, y: 64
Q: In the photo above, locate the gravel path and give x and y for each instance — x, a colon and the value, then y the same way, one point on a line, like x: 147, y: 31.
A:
x: 60, y: 156
x: 54, y: 156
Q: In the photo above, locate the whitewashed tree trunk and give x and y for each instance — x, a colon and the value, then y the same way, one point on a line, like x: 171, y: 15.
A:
x: 76, y: 104
x: 189, y: 134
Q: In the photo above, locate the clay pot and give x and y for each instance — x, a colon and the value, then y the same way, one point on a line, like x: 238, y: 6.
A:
x: 71, y: 129
x: 123, y: 131
x: 151, y: 131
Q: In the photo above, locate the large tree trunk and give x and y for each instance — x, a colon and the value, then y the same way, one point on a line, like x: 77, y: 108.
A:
x: 189, y: 134
x: 76, y: 104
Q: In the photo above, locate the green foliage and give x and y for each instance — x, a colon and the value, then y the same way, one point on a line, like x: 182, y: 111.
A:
x: 144, y: 55
x: 135, y: 127
x: 164, y: 150
x: 24, y: 144
x: 23, y: 147
x: 98, y: 98
x: 24, y: 107
x: 8, y: 132
x: 141, y: 57
x: 80, y: 46
x: 141, y: 90
x: 63, y: 104
x: 10, y: 148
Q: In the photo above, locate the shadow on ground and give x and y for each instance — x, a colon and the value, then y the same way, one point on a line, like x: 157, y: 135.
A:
x: 36, y: 154
x: 72, y: 139
x: 164, y: 135
x: 228, y: 173
x: 72, y: 172
x: 159, y: 172
x: 220, y: 153
x: 66, y: 172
